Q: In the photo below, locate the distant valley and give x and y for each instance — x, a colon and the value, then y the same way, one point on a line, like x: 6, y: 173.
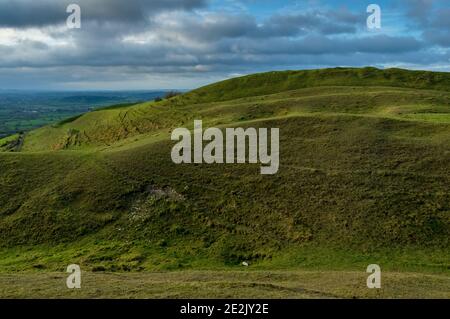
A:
x: 25, y: 110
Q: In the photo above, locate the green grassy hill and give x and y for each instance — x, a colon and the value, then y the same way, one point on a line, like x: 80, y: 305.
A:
x: 364, y: 175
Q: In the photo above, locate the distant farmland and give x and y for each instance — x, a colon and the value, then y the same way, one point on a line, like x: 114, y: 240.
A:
x: 23, y: 111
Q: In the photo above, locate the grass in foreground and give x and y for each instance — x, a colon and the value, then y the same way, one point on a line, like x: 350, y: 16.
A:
x: 225, y: 284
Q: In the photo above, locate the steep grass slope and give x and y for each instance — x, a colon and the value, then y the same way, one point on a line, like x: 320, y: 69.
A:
x: 364, y: 167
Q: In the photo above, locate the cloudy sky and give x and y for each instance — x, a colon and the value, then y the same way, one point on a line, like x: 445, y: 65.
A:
x: 154, y: 44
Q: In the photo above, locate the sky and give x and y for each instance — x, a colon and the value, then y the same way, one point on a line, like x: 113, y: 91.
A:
x: 183, y: 44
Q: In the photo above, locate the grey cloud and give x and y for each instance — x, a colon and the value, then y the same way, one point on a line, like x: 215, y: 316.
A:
x: 438, y: 30
x: 387, y: 44
x: 419, y: 10
x: 214, y: 28
x: 442, y: 19
x: 441, y: 38
x: 325, y: 45
x: 31, y: 13
x: 432, y: 20
x: 327, y: 22
x: 218, y: 27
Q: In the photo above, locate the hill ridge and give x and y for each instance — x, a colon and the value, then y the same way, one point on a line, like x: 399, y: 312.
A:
x: 279, y: 81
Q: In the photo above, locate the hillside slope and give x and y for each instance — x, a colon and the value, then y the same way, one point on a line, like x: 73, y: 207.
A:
x: 362, y: 91
x: 364, y: 166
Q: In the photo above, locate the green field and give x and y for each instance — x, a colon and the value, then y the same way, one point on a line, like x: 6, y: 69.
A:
x: 364, y: 178
x: 226, y: 284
